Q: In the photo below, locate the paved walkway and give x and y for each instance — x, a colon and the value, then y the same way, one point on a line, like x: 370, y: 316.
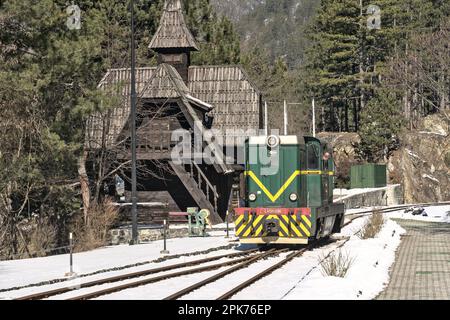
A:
x: 422, y: 267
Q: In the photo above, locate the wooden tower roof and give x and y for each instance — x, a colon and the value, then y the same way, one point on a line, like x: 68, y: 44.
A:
x: 173, y: 32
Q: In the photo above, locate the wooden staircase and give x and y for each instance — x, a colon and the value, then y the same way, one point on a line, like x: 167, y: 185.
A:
x: 199, y: 187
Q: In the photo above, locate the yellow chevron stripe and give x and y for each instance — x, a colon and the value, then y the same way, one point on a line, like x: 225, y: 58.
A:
x: 305, y: 218
x: 272, y: 197
x: 296, y: 173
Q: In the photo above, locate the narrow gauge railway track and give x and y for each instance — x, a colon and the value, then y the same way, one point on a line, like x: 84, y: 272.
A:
x: 262, y: 274
x: 396, y: 208
x: 218, y: 276
x: 299, y: 253
x: 238, y: 264
x: 54, y: 292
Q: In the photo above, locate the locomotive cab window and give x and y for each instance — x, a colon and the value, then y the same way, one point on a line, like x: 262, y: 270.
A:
x: 313, y: 156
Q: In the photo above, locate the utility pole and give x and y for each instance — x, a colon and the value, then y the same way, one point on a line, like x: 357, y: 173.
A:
x: 134, y: 231
x: 361, y: 63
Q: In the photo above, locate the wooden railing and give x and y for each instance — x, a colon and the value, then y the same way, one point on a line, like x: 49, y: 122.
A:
x: 203, y: 183
x: 154, y: 143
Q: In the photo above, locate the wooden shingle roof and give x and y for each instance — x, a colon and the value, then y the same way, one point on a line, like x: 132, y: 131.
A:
x: 172, y: 31
x: 235, y: 100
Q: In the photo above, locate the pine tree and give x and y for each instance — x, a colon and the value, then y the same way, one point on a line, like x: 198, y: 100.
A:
x: 333, y: 61
x: 219, y: 43
x: 381, y: 122
x: 347, y: 60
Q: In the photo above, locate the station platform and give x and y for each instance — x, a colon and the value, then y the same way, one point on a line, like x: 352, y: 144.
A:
x: 422, y: 266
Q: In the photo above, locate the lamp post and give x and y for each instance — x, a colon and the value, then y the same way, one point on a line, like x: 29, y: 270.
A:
x: 134, y: 231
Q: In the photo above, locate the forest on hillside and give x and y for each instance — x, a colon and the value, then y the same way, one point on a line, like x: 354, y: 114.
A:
x: 374, y: 67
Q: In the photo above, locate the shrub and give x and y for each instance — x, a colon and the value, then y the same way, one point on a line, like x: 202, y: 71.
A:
x: 43, y: 237
x: 95, y: 232
x: 336, y: 264
x: 372, y: 226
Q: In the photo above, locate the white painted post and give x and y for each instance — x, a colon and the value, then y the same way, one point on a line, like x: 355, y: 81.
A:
x: 165, y: 251
x: 314, y: 117
x: 228, y: 226
x: 71, y: 252
x: 266, y: 119
x: 285, y: 119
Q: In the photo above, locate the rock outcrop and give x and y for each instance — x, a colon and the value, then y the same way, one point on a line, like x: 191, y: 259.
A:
x: 422, y: 164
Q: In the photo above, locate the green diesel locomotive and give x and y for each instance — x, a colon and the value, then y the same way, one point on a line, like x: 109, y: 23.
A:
x: 287, y: 191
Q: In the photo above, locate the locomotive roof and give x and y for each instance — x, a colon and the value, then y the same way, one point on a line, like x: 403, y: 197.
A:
x: 287, y: 140
x: 284, y: 140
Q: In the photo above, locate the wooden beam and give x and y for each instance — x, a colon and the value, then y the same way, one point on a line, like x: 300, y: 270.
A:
x: 166, y: 155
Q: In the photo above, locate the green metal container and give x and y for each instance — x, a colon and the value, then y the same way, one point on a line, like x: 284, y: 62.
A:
x: 368, y: 176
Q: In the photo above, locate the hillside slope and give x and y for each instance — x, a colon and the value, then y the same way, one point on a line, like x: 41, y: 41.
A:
x: 277, y: 26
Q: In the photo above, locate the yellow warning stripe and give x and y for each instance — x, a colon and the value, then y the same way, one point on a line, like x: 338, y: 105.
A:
x: 238, y: 219
x: 255, y: 223
x: 306, y: 231
x: 241, y: 228
x: 305, y: 218
x: 290, y: 228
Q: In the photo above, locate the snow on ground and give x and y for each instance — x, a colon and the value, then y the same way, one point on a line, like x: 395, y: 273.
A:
x: 17, y: 273
x: 433, y: 214
x: 367, y: 276
x: 300, y: 279
x: 374, y: 257
x: 343, y: 194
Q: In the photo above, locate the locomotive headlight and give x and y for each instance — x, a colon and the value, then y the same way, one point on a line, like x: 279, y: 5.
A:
x: 293, y: 197
x: 273, y: 141
x: 252, y: 197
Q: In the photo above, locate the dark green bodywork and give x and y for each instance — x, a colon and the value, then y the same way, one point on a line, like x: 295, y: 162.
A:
x: 313, y: 186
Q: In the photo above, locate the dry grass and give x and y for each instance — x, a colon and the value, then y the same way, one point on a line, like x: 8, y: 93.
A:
x: 33, y: 237
x: 42, y: 237
x: 95, y: 233
x: 372, y: 226
x: 336, y: 264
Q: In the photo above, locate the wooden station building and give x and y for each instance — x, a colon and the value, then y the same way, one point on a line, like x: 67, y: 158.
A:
x: 176, y: 95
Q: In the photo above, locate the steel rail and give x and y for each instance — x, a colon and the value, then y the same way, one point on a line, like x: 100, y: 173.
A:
x: 139, y: 283
x: 262, y: 274
x: 222, y: 274
x: 403, y: 206
x: 46, y: 294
